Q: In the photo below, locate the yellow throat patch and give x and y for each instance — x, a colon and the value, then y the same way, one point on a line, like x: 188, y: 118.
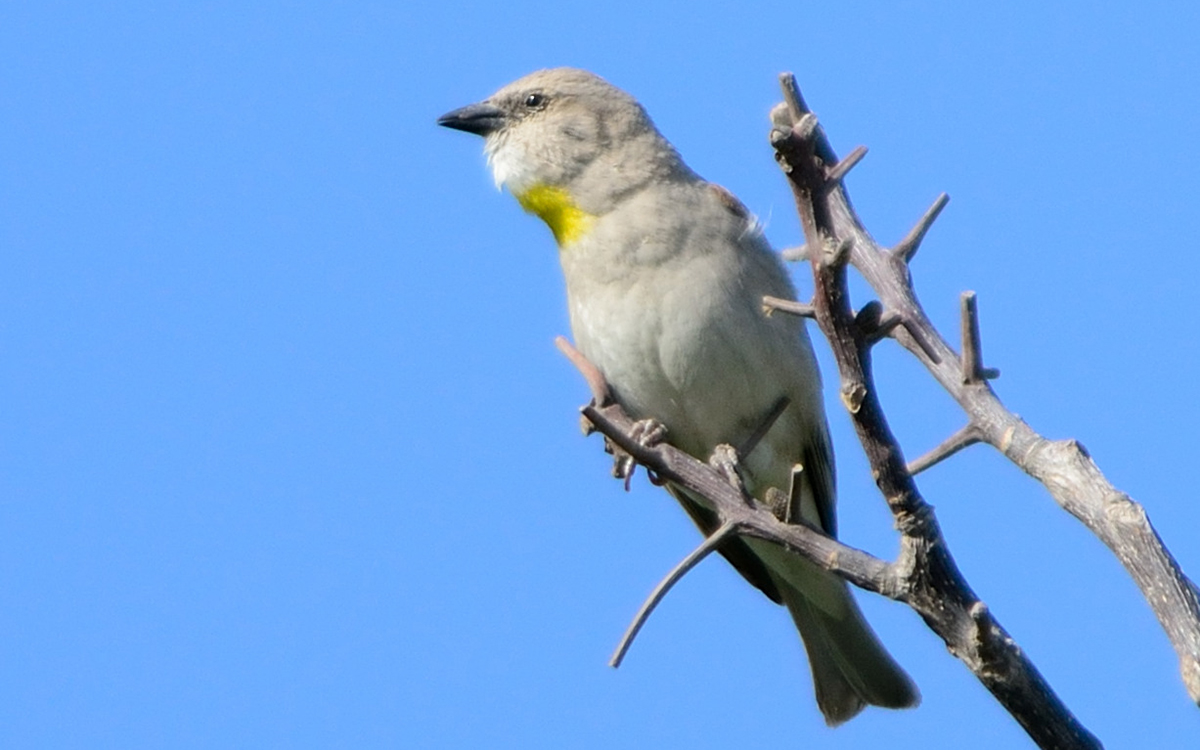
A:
x: 555, y: 207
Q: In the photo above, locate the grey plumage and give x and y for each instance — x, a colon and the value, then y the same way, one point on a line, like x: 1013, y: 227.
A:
x: 665, y: 275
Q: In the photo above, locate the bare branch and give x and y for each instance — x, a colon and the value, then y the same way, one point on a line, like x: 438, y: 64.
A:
x: 1074, y: 481
x: 935, y: 587
x: 702, y: 480
x: 983, y: 645
x: 925, y: 575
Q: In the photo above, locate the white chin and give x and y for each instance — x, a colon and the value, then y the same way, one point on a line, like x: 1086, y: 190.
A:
x: 507, y: 161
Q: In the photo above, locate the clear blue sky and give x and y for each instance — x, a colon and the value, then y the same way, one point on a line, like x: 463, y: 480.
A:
x: 288, y: 459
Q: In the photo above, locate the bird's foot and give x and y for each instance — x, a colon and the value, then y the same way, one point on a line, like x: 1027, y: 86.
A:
x: 646, y: 432
x: 725, y: 461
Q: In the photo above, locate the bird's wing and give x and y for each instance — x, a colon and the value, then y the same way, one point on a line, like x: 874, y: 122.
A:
x: 818, y: 464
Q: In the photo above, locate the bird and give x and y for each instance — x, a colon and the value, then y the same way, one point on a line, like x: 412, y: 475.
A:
x: 665, y: 275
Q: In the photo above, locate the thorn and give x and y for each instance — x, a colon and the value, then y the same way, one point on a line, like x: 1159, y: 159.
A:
x: 795, y: 253
x: 838, y: 171
x: 973, y: 370
x: 795, y: 488
x: 907, y: 247
x: 803, y: 309
x: 966, y: 436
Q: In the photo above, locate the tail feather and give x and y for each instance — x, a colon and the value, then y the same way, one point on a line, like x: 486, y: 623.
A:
x: 851, y: 668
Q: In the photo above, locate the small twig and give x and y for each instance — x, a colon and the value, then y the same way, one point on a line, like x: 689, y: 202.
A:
x: 595, y: 379
x: 795, y: 490
x: 703, y: 480
x: 706, y: 547
x: 772, y: 304
x: 966, y: 436
x: 838, y: 171
x: 795, y: 254
x: 796, y: 105
x: 906, y: 248
x: 973, y: 370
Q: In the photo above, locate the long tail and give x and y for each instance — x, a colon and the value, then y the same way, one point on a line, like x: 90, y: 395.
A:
x: 850, y: 667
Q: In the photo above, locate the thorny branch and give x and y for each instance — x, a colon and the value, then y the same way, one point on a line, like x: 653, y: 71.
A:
x: 1062, y: 466
x: 924, y: 576
x: 932, y: 583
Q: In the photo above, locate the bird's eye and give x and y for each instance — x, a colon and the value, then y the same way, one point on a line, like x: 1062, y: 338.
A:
x: 535, y: 101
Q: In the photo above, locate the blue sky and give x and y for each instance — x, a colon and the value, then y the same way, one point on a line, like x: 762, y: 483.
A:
x: 288, y: 458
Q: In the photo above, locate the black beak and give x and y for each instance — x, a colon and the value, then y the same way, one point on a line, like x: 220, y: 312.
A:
x: 480, y: 119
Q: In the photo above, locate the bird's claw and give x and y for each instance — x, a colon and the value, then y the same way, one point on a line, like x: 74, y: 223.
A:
x: 645, y: 432
x: 725, y: 461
